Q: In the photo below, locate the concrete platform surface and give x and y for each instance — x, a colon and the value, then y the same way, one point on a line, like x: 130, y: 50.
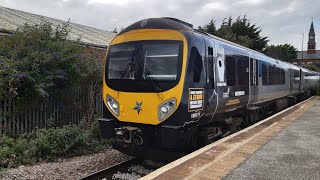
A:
x: 283, y: 146
x: 293, y: 154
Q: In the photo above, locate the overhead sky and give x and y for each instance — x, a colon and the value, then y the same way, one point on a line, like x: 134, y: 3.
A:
x: 282, y: 21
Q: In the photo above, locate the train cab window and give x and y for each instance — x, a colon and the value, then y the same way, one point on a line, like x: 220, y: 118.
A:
x: 196, y: 58
x: 243, y: 68
x: 230, y: 68
x: 210, y: 67
x: 264, y: 74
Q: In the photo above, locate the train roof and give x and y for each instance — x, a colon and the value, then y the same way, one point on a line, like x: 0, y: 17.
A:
x: 159, y: 23
x: 176, y: 24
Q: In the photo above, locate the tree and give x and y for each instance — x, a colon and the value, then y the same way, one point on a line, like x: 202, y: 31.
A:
x: 240, y: 31
x: 285, y: 52
x: 209, y: 28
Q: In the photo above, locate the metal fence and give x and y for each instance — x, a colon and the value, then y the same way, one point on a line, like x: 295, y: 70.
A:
x: 68, y: 107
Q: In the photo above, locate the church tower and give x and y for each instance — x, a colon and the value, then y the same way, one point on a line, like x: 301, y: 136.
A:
x: 311, y: 41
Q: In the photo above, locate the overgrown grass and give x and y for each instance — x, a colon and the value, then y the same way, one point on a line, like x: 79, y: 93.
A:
x: 49, y: 145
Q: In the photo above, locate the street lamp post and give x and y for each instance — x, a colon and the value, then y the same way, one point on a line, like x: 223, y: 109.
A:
x: 302, y: 50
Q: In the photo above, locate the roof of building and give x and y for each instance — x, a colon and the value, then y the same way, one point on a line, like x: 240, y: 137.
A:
x: 308, y: 56
x: 11, y: 19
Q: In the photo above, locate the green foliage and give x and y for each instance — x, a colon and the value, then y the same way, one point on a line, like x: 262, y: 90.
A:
x: 285, y: 52
x: 49, y: 145
x: 55, y: 143
x: 38, y: 59
x: 209, y: 28
x: 312, y: 67
x: 240, y: 31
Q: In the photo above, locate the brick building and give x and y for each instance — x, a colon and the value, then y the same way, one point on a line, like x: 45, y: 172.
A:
x: 311, y: 56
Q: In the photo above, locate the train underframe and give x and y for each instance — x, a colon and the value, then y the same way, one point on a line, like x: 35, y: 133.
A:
x: 166, y: 143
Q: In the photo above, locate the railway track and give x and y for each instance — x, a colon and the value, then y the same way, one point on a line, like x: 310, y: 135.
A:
x: 130, y: 169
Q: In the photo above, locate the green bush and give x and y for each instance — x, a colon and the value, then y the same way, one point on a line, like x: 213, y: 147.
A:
x: 60, y: 142
x: 49, y: 144
x: 40, y: 60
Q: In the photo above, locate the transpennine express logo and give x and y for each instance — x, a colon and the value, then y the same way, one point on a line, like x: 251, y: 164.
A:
x: 138, y: 107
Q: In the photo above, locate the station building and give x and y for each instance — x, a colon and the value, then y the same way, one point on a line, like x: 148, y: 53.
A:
x: 95, y: 40
x: 311, y: 55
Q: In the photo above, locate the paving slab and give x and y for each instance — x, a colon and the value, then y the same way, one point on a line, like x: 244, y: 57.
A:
x: 292, y: 154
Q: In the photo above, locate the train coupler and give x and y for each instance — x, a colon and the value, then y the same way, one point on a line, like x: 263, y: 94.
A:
x: 129, y: 135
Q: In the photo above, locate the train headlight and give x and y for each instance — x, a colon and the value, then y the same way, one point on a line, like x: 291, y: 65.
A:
x: 165, y: 109
x: 113, y: 105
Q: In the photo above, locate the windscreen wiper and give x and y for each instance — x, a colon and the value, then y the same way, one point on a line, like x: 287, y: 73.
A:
x: 130, y: 68
x: 155, y: 85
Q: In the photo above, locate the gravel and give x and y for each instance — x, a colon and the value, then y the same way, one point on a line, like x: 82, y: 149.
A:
x: 134, y: 172
x: 73, y: 168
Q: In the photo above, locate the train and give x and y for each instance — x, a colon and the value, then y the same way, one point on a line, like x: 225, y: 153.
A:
x: 169, y: 89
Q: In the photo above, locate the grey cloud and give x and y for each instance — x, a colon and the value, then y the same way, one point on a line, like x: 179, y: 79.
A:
x: 282, y: 21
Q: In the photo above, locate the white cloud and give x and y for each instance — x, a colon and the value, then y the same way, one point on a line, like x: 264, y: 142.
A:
x: 117, y: 2
x: 248, y: 2
x: 281, y: 11
x: 215, y: 6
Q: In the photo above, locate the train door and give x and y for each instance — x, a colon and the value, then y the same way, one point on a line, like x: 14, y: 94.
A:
x: 235, y: 88
x: 211, y: 93
x: 253, y: 79
x: 300, y: 81
x: 291, y: 80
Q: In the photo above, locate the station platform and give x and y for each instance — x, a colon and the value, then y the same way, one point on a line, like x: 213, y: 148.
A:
x: 283, y: 146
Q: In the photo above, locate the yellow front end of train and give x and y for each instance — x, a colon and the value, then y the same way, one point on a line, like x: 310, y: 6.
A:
x: 149, y: 107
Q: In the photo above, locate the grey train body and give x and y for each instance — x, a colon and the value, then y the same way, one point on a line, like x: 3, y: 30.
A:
x: 235, y: 87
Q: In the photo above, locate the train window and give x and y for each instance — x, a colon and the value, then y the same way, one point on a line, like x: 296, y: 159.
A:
x: 160, y: 60
x: 264, y: 74
x: 251, y: 71
x: 271, y: 75
x: 211, y: 69
x: 230, y: 68
x: 257, y: 71
x: 283, y: 77
x: 243, y: 67
x: 197, y: 62
x: 277, y: 76
x: 120, y: 58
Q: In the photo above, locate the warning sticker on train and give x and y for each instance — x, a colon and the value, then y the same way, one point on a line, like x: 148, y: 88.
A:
x: 195, y: 99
